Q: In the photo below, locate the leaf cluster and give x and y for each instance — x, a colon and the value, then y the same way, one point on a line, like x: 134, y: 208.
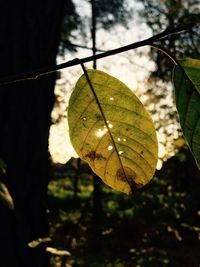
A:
x: 111, y: 130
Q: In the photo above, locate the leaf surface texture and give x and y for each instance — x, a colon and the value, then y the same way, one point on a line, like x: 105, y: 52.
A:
x: 113, y: 132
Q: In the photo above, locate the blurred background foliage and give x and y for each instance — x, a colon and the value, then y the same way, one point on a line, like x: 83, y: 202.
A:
x: 162, y: 14
x: 158, y: 226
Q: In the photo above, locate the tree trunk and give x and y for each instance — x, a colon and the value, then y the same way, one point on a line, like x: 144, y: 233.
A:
x: 29, y: 40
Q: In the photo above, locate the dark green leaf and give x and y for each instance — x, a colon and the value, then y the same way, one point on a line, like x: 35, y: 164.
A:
x: 186, y: 79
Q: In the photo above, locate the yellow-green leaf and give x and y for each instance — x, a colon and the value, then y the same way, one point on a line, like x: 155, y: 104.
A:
x: 186, y: 80
x: 111, y: 130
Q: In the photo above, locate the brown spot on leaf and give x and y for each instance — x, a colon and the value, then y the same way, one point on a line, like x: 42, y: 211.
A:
x: 128, y: 175
x: 92, y: 155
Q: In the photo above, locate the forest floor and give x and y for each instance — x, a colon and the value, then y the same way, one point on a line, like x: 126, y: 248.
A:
x: 154, y: 228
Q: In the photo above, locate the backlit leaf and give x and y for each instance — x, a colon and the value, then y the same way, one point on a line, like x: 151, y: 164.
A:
x: 112, y: 132
x: 187, y: 94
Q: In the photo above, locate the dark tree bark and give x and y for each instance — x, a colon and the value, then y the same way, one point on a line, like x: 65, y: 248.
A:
x: 29, y: 40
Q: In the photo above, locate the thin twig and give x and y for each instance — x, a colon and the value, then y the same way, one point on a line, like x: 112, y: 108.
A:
x: 172, y: 58
x: 31, y: 75
x: 166, y: 52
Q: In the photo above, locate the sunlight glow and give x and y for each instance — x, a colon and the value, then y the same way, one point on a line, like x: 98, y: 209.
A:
x: 60, y: 146
x: 100, y: 133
